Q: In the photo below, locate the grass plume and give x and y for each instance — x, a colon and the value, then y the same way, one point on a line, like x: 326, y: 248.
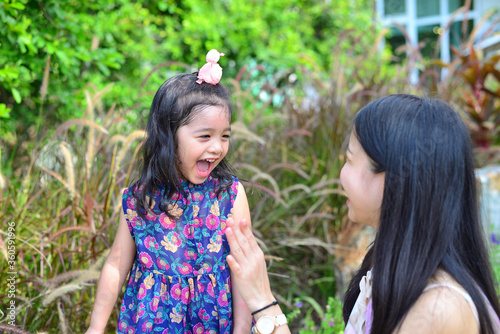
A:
x: 70, y: 170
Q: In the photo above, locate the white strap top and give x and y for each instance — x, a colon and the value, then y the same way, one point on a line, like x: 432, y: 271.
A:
x: 360, y: 319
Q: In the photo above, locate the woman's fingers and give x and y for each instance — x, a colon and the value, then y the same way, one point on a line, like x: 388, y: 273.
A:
x: 241, y: 240
x: 233, y: 265
x: 247, y: 264
x: 236, y: 250
x: 247, y: 232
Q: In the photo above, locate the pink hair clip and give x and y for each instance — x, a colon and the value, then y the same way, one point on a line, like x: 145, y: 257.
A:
x: 211, y: 72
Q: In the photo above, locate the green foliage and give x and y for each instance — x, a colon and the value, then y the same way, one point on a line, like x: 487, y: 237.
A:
x: 51, y: 48
x: 331, y: 322
x: 273, y: 32
x: 65, y: 211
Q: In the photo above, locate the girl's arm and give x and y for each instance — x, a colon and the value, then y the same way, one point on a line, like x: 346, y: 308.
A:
x: 242, y: 319
x: 248, y: 268
x: 114, y: 272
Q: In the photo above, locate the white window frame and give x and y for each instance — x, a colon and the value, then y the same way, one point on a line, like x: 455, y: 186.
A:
x: 410, y: 20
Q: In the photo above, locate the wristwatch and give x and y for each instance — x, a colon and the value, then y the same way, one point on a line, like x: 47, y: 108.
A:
x: 267, y: 324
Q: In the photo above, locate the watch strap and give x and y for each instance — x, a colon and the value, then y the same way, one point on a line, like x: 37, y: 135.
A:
x: 280, y: 320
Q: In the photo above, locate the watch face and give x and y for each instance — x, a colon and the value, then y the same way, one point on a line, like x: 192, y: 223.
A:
x: 265, y: 325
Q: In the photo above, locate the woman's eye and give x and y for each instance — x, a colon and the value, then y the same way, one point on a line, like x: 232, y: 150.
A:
x: 226, y: 136
x: 205, y: 136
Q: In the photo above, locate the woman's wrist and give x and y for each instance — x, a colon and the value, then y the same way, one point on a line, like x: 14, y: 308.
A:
x: 259, y: 303
x: 268, y: 312
x: 275, y: 302
x: 266, y: 308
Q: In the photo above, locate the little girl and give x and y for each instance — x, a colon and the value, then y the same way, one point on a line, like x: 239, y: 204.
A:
x: 171, y: 231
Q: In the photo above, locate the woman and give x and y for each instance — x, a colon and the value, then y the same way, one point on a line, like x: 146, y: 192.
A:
x: 409, y: 174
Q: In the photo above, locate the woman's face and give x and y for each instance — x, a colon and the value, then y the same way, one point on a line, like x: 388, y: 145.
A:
x: 364, y: 188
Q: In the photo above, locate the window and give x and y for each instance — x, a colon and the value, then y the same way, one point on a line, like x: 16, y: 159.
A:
x: 427, y: 8
x: 392, y: 7
x: 453, y: 5
x: 424, y: 21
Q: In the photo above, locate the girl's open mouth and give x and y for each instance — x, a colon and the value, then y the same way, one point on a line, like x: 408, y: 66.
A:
x: 204, y: 167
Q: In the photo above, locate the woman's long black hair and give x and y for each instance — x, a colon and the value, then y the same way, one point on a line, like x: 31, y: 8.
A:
x: 175, y: 104
x: 429, y: 217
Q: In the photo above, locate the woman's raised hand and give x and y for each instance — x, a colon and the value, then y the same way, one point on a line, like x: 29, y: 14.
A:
x: 248, y: 265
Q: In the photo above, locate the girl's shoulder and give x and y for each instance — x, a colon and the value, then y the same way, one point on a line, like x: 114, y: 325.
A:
x: 133, y: 194
x: 443, y: 307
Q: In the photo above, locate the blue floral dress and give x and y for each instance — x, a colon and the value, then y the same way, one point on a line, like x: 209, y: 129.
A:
x: 180, y: 281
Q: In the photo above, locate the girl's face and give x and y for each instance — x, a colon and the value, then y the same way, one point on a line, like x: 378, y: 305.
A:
x: 364, y: 188
x: 203, y: 143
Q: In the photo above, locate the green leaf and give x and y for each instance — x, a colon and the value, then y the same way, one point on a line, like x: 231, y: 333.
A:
x: 315, y: 305
x: 17, y: 5
x: 104, y: 69
x: 16, y: 95
x: 4, y: 111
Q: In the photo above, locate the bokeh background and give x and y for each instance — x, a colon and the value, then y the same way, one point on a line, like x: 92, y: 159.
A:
x: 76, y: 82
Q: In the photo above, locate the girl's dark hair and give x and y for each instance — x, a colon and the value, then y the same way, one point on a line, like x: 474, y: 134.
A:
x: 429, y: 217
x: 175, y: 104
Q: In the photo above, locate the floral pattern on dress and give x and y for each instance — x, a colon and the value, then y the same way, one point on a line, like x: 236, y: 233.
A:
x: 180, y: 280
